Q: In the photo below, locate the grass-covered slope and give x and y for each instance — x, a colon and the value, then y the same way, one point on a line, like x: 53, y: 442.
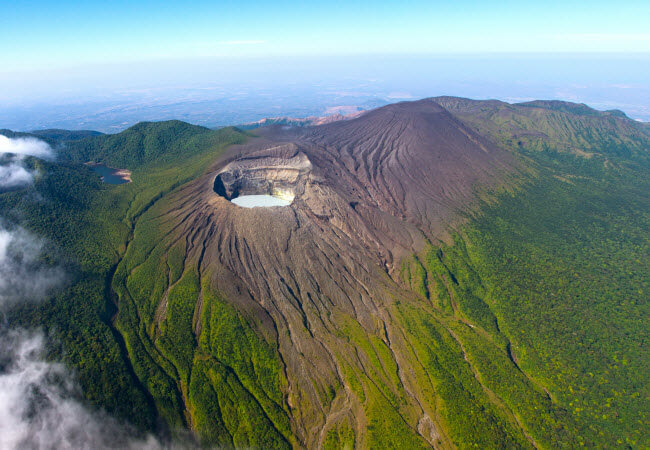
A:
x: 553, y: 126
x: 557, y: 277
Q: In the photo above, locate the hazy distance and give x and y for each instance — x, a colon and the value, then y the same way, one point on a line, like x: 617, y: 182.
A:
x: 71, y: 65
x: 225, y: 91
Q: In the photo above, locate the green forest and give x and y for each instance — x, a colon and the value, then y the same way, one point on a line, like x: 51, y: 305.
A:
x: 554, y: 304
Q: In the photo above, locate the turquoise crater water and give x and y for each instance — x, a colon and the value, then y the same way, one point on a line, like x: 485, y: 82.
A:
x: 255, y: 201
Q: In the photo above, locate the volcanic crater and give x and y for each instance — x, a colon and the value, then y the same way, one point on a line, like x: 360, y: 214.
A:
x: 279, y: 172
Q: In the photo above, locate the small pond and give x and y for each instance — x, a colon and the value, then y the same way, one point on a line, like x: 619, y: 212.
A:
x: 110, y: 175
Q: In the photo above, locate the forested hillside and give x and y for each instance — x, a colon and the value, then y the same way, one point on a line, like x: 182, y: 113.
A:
x: 88, y: 225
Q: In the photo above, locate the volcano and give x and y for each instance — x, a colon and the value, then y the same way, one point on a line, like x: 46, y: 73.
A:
x: 366, y: 193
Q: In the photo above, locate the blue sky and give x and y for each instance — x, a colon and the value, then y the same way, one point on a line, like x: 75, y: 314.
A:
x: 37, y: 35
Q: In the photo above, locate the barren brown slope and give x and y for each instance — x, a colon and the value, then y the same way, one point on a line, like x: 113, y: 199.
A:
x: 318, y: 279
x: 412, y: 160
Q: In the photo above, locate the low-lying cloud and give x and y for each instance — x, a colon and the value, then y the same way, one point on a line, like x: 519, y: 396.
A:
x: 14, y: 174
x: 26, y: 147
x: 24, y: 276
x: 38, y: 406
x: 13, y: 151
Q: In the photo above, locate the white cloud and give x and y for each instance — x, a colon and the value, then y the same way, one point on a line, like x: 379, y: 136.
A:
x: 23, y: 275
x: 26, y: 147
x: 13, y: 172
x: 38, y: 406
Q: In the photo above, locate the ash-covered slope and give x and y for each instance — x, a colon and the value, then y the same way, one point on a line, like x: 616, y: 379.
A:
x: 317, y: 280
x: 412, y: 160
